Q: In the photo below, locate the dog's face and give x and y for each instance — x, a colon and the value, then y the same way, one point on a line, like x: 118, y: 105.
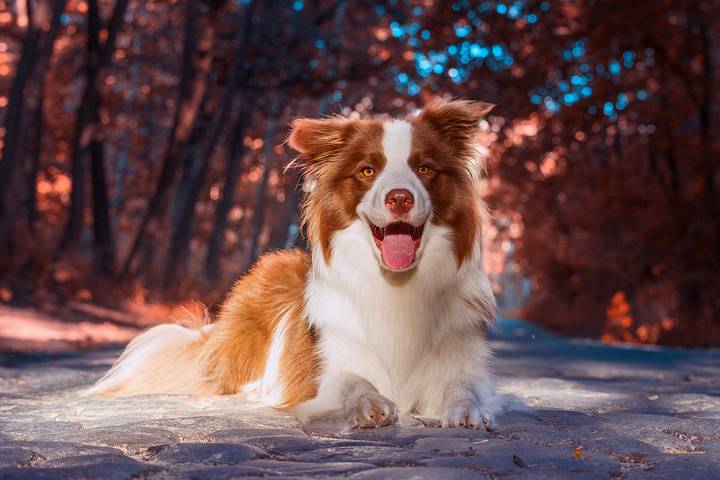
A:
x: 396, y: 177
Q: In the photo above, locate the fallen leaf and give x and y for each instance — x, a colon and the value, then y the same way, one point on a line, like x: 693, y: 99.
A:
x: 577, y: 453
x: 518, y: 461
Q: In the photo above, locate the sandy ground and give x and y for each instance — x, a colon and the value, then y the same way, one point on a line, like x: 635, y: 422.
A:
x: 594, y: 411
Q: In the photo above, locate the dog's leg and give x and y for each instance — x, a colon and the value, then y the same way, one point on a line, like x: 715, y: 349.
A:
x: 470, y: 402
x: 357, y: 399
x: 364, y: 407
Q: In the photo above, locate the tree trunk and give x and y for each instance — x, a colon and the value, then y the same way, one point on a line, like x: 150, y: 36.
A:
x: 196, y: 169
x: 99, y: 57
x: 36, y: 49
x: 38, y: 113
x: 707, y: 149
x: 670, y: 147
x: 102, y: 232
x: 196, y: 158
x: 14, y: 112
x: 706, y: 103
x: 35, y: 147
x: 283, y: 235
x: 232, y: 174
x: 191, y: 167
x: 197, y: 59
x: 122, y: 163
x: 260, y: 200
x: 188, y: 165
x: 183, y: 231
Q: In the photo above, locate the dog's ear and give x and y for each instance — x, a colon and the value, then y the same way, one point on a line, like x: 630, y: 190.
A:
x: 457, y: 121
x: 319, y: 140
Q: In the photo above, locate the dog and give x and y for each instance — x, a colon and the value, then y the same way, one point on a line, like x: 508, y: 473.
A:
x: 388, y: 312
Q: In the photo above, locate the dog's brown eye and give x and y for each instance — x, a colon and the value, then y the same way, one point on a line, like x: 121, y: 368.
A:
x: 368, y: 172
x: 423, y: 170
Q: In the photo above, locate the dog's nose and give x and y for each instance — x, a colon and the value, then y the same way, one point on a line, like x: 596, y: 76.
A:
x: 399, y: 200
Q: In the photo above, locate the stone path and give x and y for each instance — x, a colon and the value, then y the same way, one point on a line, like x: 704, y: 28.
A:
x: 595, y: 411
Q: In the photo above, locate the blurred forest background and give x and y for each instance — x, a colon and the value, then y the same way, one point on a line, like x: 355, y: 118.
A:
x: 142, y: 145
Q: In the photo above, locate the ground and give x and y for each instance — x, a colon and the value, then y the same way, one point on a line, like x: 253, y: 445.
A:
x: 593, y: 411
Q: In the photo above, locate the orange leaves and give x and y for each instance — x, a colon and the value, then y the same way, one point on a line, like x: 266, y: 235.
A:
x: 577, y: 453
x: 620, y: 324
x: 619, y: 311
x: 619, y: 319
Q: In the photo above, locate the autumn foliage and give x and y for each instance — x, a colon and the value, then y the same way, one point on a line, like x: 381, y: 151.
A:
x: 142, y: 145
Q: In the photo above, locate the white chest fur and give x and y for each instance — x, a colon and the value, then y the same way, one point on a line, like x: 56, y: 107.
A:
x: 408, y: 334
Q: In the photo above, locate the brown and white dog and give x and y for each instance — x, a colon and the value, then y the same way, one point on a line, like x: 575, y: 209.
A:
x: 386, y: 315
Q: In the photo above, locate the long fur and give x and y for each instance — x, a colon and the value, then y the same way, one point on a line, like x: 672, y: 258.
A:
x: 164, y: 359
x: 337, y: 329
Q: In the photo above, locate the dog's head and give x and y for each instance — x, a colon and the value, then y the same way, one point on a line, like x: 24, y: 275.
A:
x: 396, y: 177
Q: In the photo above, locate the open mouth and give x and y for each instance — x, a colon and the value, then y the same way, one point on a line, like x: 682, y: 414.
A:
x: 398, y: 243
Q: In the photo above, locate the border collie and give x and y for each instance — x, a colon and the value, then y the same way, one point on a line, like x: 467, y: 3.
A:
x: 387, y: 313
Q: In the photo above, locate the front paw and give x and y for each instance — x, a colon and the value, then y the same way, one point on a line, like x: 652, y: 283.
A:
x: 370, y: 410
x: 467, y: 413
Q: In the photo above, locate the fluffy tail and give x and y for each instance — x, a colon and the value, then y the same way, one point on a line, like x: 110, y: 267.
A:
x: 166, y: 359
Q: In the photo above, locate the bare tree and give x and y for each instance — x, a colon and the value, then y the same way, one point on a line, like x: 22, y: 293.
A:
x: 183, y: 230
x: 36, y: 49
x: 261, y: 194
x: 102, y: 231
x: 198, y: 54
x: 98, y: 59
x: 233, y: 169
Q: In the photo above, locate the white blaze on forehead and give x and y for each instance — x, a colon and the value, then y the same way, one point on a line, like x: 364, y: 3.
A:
x: 396, y: 141
x: 396, y: 145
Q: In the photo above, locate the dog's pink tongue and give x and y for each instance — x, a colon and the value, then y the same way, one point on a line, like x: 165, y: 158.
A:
x: 398, y: 250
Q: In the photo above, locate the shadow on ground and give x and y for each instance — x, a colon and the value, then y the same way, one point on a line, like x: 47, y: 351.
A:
x: 596, y: 411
